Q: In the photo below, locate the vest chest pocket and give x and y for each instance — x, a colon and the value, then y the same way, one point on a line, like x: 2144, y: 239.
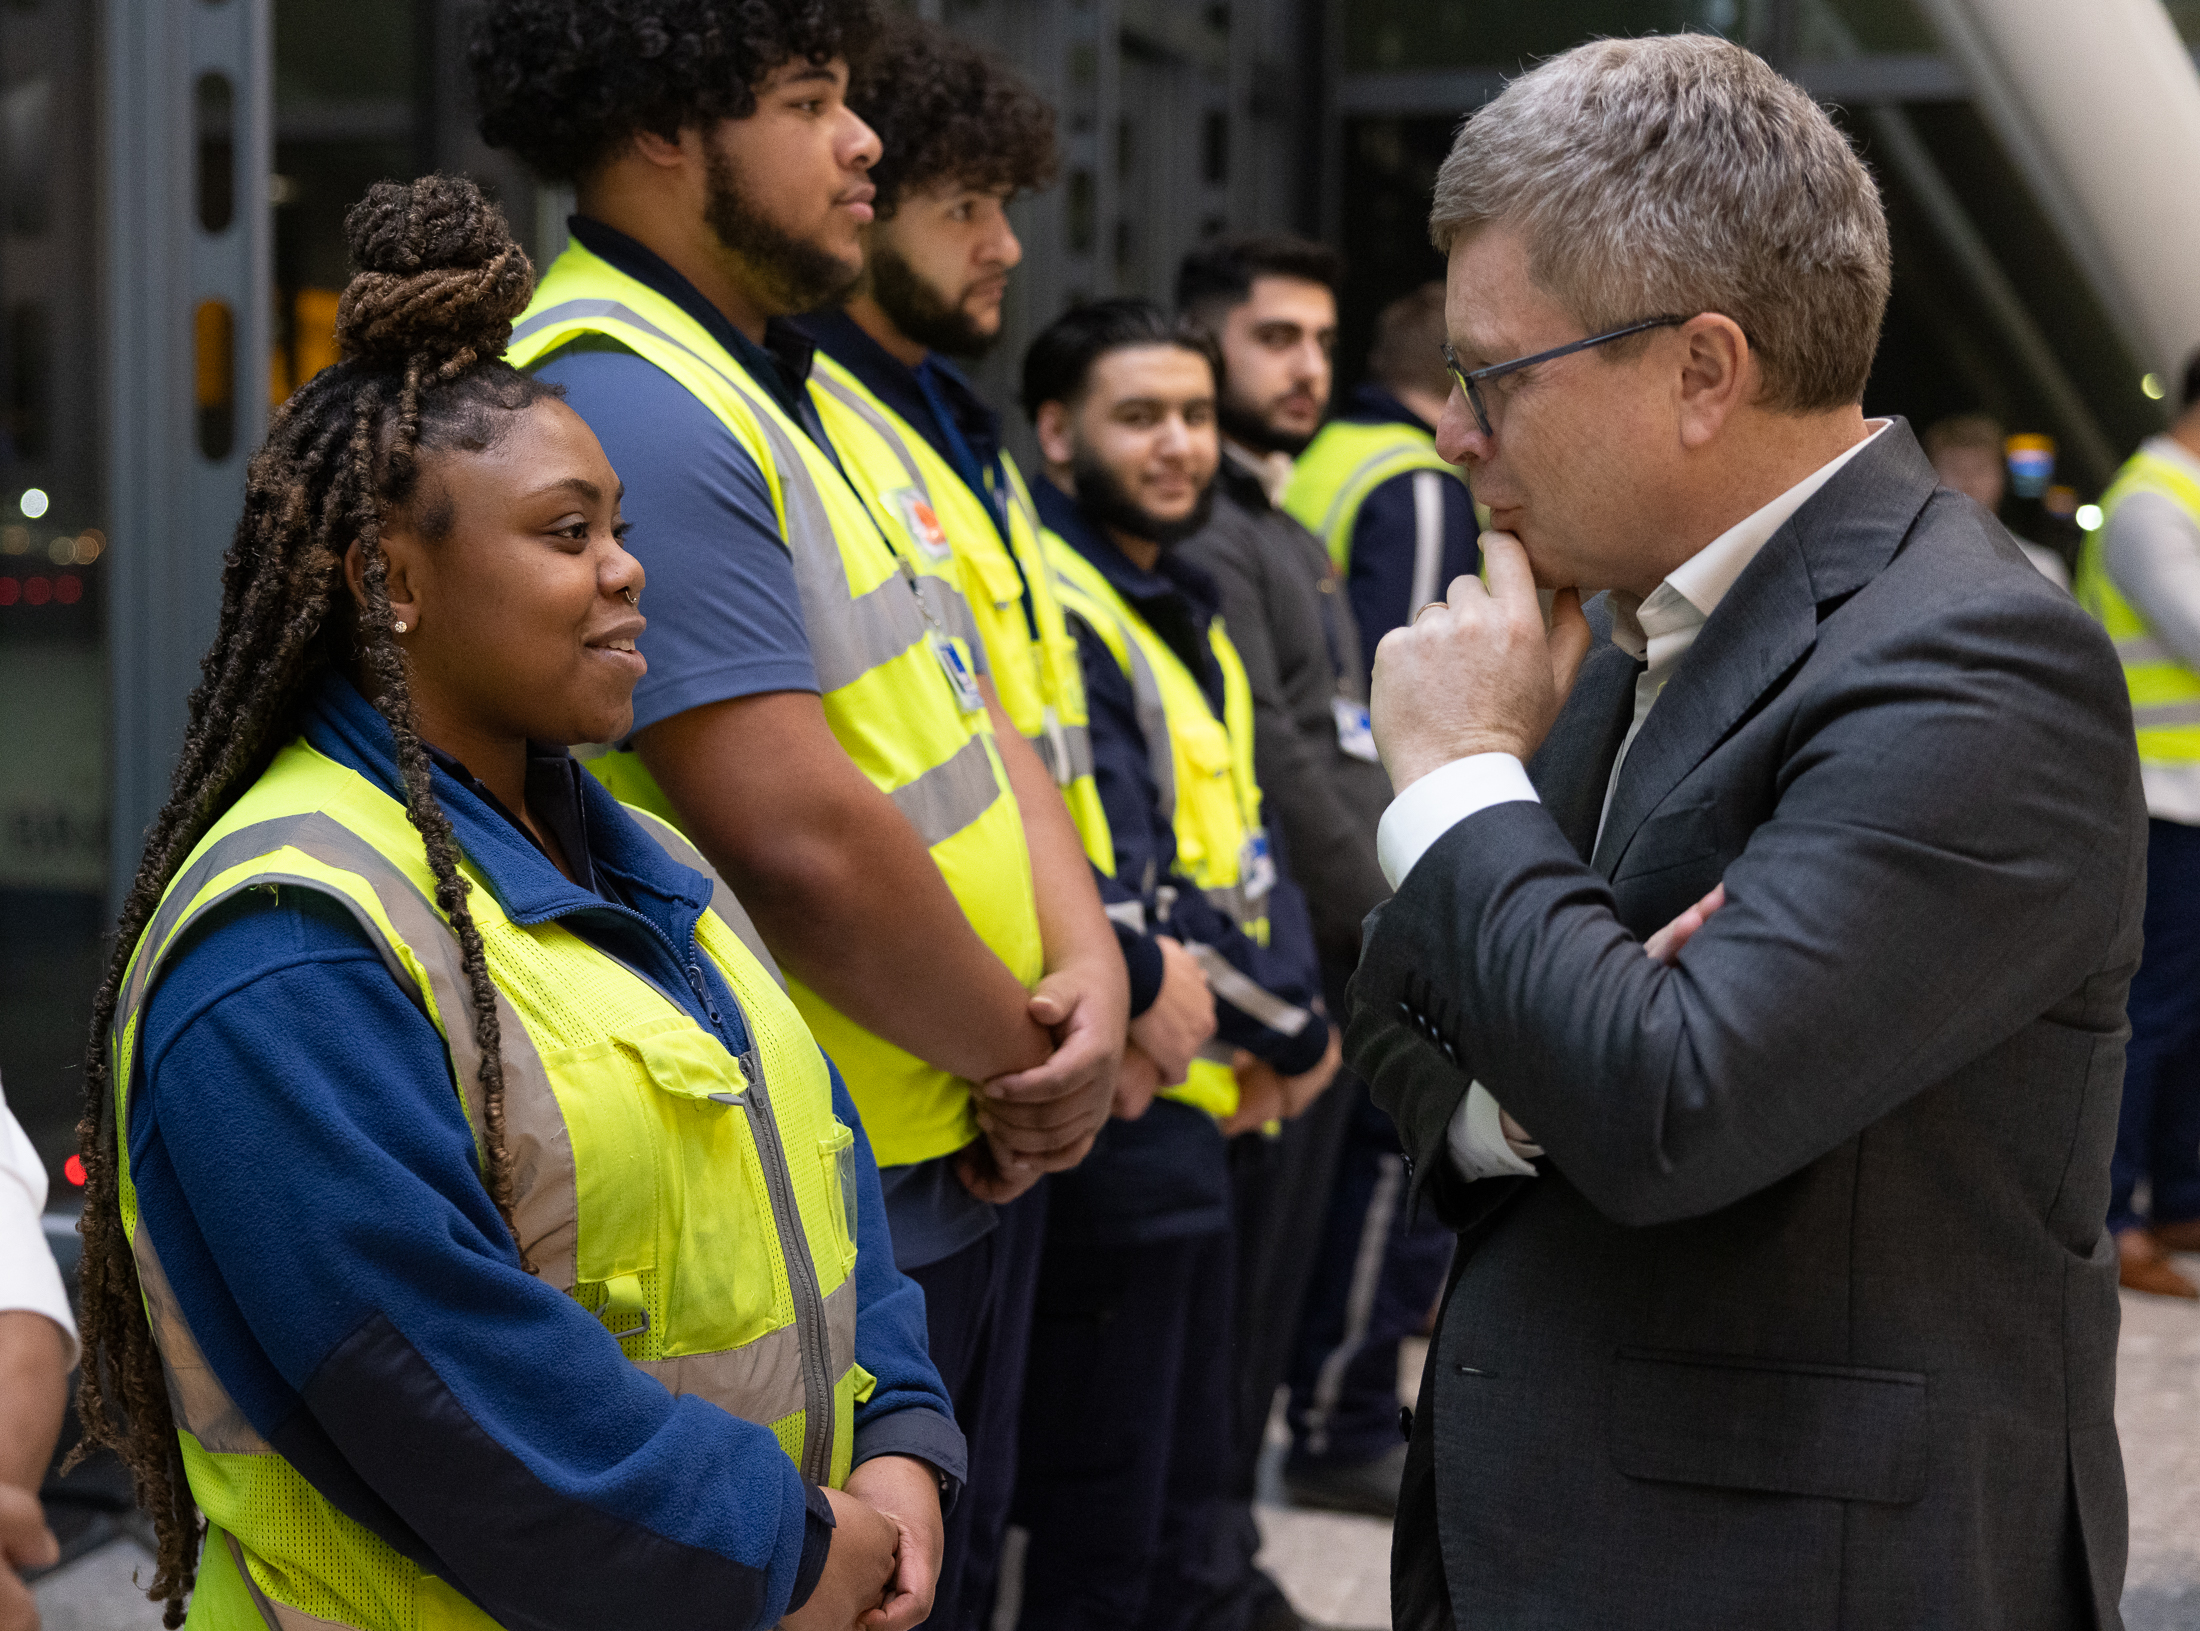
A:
x: 837, y: 1152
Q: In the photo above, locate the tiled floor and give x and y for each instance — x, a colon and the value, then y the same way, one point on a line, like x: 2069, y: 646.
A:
x: 1337, y: 1569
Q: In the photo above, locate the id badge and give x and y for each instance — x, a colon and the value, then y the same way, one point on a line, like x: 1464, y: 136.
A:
x: 1355, y: 734
x: 922, y: 524
x: 955, y: 664
x: 1256, y: 867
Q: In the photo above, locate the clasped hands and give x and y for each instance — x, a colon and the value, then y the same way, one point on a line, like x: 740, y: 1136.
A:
x: 884, y: 1565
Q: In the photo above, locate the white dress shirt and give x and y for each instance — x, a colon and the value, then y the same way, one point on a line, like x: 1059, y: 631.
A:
x: 28, y: 1278
x: 1656, y: 630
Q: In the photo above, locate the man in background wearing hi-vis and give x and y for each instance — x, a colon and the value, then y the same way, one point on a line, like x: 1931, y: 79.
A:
x: 2139, y: 573
x: 816, y: 714
x: 1397, y: 519
x: 960, y: 134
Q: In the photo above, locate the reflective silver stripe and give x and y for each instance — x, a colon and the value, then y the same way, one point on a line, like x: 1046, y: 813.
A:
x: 1428, y: 539
x: 1153, y: 718
x: 1359, y: 1301
x: 1244, y: 907
x: 722, y: 900
x: 1130, y: 913
x: 2161, y: 714
x: 535, y: 1131
x: 951, y: 795
x: 1256, y: 1002
x: 2136, y: 649
x: 276, y: 1616
x: 850, y: 634
x: 1363, y: 472
x: 1072, y: 758
x: 764, y: 1380
x: 200, y: 1403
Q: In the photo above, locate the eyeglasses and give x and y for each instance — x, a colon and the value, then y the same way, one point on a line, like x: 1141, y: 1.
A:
x: 1470, y: 381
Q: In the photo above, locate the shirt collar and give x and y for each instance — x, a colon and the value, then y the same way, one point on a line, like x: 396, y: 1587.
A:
x: 343, y: 725
x: 1692, y: 591
x: 781, y: 364
x: 1271, y: 470
x: 1371, y: 404
x: 894, y: 383
x: 1172, y: 574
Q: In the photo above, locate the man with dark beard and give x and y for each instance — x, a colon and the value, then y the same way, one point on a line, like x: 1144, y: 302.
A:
x: 1125, y: 1482
x: 960, y: 135
x: 816, y: 715
x: 1323, y: 1299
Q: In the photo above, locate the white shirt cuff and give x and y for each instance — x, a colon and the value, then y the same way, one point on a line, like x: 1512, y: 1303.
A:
x: 1477, y: 1141
x: 1442, y: 799
x: 29, y: 1279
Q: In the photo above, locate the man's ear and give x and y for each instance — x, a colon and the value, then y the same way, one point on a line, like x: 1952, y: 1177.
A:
x: 666, y: 153
x: 1719, y: 375
x: 1052, y: 426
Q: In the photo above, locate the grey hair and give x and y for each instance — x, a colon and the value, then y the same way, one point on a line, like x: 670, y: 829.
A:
x: 1679, y: 174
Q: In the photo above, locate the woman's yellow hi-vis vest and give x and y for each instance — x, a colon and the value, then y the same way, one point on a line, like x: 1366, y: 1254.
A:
x: 886, y: 630
x: 641, y: 1150
x: 1202, y: 770
x: 2165, y: 694
x: 1033, y: 656
x: 1345, y: 463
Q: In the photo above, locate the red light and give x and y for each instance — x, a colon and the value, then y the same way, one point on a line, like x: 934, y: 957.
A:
x: 9, y: 590
x: 73, y: 1170
x: 38, y: 591
x: 68, y: 588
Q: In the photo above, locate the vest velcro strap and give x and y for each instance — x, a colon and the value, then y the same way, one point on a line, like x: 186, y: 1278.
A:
x: 1255, y: 1001
x: 951, y: 795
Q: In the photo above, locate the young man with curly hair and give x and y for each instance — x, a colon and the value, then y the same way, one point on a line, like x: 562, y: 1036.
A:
x: 962, y: 134
x: 818, y: 715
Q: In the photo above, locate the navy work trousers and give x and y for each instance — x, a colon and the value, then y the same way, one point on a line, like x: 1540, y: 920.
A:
x: 1376, y: 1280
x: 1127, y: 1437
x: 977, y: 1315
x: 2158, y: 1137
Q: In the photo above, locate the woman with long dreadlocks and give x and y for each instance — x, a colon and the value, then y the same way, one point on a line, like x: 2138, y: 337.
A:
x: 473, y: 1235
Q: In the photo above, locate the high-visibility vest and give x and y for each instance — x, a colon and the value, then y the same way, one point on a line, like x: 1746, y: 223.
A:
x: 730, y: 1276
x: 2165, y: 693
x: 1033, y: 656
x: 1202, y: 770
x: 884, y: 628
x: 1346, y: 462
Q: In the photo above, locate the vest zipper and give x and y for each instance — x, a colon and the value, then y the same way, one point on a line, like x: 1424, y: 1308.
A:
x: 794, y: 1246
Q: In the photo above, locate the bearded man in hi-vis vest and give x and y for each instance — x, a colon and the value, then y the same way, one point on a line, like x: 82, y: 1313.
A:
x: 819, y: 715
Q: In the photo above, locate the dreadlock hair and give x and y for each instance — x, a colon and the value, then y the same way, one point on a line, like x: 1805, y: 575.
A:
x: 422, y: 327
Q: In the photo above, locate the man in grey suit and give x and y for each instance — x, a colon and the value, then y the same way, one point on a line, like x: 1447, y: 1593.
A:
x: 1783, y: 1300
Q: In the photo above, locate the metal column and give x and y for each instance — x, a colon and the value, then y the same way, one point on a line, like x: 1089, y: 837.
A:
x: 174, y: 508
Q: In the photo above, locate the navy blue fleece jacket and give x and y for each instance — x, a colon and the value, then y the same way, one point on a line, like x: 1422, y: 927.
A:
x: 309, y: 1180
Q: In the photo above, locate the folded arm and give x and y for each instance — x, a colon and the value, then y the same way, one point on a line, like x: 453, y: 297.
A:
x: 1945, y: 860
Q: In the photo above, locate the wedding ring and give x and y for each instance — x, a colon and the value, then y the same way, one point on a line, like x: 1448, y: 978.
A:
x: 1430, y: 607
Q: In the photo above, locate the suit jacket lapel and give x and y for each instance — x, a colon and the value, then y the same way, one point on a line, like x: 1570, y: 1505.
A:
x: 1574, y: 765
x: 1768, y: 621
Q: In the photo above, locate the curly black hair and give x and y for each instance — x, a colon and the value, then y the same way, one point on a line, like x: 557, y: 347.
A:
x: 948, y: 112
x: 563, y: 83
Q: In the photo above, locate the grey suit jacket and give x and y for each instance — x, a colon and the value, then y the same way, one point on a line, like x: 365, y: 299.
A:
x: 1295, y: 641
x: 1809, y: 1320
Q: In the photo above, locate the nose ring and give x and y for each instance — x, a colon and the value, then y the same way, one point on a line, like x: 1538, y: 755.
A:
x: 633, y: 597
